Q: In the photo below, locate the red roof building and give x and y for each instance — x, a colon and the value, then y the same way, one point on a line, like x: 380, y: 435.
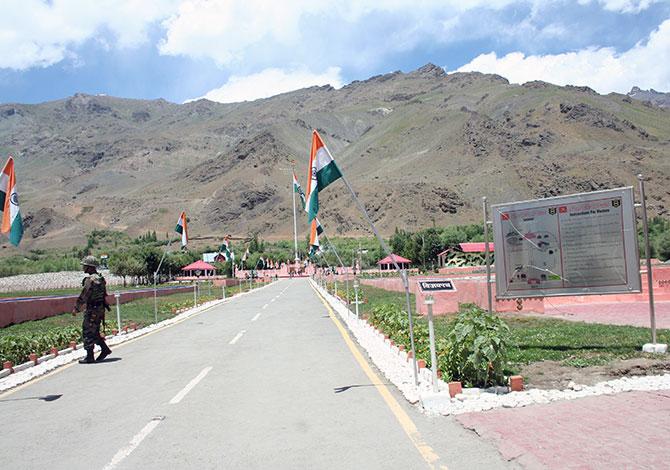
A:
x: 387, y: 263
x: 476, y: 247
x: 198, y: 268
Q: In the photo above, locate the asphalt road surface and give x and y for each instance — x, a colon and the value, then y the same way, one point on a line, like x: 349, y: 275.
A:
x: 266, y: 380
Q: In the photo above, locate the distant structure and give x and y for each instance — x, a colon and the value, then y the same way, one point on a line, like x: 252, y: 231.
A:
x: 199, y: 269
x: 386, y: 264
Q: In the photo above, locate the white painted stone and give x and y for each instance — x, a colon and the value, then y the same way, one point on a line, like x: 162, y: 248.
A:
x: 656, y: 348
x: 23, y: 366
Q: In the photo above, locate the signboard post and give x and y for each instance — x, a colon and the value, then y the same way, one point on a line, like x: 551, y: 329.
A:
x: 652, y: 347
x: 568, y: 245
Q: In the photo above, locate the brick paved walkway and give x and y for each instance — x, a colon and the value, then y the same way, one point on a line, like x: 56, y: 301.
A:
x: 623, y: 431
x: 621, y: 313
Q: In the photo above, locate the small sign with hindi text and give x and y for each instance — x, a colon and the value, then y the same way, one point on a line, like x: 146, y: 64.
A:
x: 436, y: 285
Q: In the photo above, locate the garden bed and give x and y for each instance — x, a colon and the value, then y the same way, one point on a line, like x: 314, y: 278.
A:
x: 551, y: 353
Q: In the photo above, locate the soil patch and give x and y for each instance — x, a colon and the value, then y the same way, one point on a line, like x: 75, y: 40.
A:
x: 555, y: 375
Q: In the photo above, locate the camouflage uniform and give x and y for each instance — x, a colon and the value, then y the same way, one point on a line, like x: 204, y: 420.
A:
x: 93, y: 297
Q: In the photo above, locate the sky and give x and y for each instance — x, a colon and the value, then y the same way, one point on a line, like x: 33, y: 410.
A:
x: 229, y: 50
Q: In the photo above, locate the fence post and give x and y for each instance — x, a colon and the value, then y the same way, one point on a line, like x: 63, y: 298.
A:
x: 195, y: 294
x: 356, y: 284
x: 117, y: 296
x: 429, y: 301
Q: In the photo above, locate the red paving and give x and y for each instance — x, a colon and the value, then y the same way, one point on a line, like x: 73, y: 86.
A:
x: 621, y: 313
x: 623, y: 431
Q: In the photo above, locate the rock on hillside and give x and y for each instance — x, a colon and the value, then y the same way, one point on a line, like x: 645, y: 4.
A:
x: 662, y: 100
x: 420, y: 148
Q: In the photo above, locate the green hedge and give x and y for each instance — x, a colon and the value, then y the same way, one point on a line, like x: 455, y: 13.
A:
x: 17, y: 348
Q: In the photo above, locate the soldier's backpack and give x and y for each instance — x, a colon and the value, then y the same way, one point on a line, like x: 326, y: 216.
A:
x: 98, y: 290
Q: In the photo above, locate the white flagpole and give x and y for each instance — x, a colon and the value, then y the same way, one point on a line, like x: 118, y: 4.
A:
x: 295, y: 222
x: 401, y: 273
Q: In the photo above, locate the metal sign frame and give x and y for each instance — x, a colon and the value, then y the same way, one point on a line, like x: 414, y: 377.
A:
x: 580, y: 244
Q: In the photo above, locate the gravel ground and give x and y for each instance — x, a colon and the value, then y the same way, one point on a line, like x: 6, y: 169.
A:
x: 45, y: 281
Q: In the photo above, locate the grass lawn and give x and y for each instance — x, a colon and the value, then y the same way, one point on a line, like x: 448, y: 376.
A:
x: 536, y: 339
x: 17, y: 341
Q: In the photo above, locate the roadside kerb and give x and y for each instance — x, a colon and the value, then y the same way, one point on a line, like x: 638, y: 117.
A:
x: 392, y: 362
x: 45, y: 364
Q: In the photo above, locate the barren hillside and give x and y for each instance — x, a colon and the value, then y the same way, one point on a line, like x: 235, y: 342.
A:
x: 420, y: 147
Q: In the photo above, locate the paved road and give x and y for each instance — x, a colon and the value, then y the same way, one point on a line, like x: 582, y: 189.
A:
x: 263, y: 381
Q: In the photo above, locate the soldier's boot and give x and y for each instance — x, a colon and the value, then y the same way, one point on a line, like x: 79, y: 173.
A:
x: 89, y: 359
x: 104, y: 353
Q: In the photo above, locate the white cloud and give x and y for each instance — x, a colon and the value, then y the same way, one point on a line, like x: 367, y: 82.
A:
x: 39, y: 33
x: 34, y: 33
x: 224, y: 30
x: 271, y: 82
x: 603, y: 69
x: 624, y: 6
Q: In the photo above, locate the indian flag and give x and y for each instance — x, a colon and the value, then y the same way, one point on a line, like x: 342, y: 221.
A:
x: 225, y: 250
x: 182, y: 229
x: 322, y: 172
x: 315, y: 231
x: 9, y: 204
x: 298, y: 189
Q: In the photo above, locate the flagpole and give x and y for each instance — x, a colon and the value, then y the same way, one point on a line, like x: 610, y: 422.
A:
x: 169, y: 246
x: 295, y: 222
x: 346, y: 275
x: 401, y: 273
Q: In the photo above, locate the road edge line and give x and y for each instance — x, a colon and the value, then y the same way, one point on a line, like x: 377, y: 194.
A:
x: 427, y: 453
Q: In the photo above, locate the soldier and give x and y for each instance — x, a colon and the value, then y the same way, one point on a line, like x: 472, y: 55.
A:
x: 94, y: 297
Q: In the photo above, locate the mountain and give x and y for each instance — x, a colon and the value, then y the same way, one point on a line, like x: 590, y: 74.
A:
x: 651, y: 96
x: 421, y: 148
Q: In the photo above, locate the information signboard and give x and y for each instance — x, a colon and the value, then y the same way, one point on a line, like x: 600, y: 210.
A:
x: 568, y: 245
x: 436, y: 285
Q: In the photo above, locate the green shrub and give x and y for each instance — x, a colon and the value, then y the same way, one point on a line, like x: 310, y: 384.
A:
x: 477, y: 348
x: 17, y: 348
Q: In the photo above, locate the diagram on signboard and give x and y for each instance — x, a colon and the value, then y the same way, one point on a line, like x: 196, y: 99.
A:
x: 581, y: 243
x: 533, y: 256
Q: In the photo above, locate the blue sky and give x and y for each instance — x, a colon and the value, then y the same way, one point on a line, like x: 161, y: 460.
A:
x: 239, y: 50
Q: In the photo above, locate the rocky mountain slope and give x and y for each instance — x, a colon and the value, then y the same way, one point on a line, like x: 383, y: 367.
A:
x: 421, y: 148
x: 651, y: 96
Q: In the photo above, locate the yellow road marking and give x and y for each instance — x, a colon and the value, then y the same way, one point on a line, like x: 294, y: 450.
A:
x: 427, y: 452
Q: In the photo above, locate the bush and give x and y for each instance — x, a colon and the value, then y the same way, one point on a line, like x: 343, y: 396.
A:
x: 477, y: 348
x: 17, y: 348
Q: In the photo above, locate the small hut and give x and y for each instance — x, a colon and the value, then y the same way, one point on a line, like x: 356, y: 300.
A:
x: 386, y: 264
x: 199, y: 268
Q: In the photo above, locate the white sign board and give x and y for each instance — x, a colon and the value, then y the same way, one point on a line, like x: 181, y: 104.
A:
x: 436, y: 285
x: 567, y: 245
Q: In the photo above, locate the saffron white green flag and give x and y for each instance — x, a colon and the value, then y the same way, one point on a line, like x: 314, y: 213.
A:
x: 182, y: 229
x: 9, y: 204
x: 322, y: 172
x: 224, y: 249
x: 315, y: 231
x: 298, y: 189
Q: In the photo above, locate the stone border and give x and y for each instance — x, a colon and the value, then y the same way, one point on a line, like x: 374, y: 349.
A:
x: 29, y: 370
x: 394, y: 364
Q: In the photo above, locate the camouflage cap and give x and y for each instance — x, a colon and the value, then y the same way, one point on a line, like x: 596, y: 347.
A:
x: 90, y: 261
